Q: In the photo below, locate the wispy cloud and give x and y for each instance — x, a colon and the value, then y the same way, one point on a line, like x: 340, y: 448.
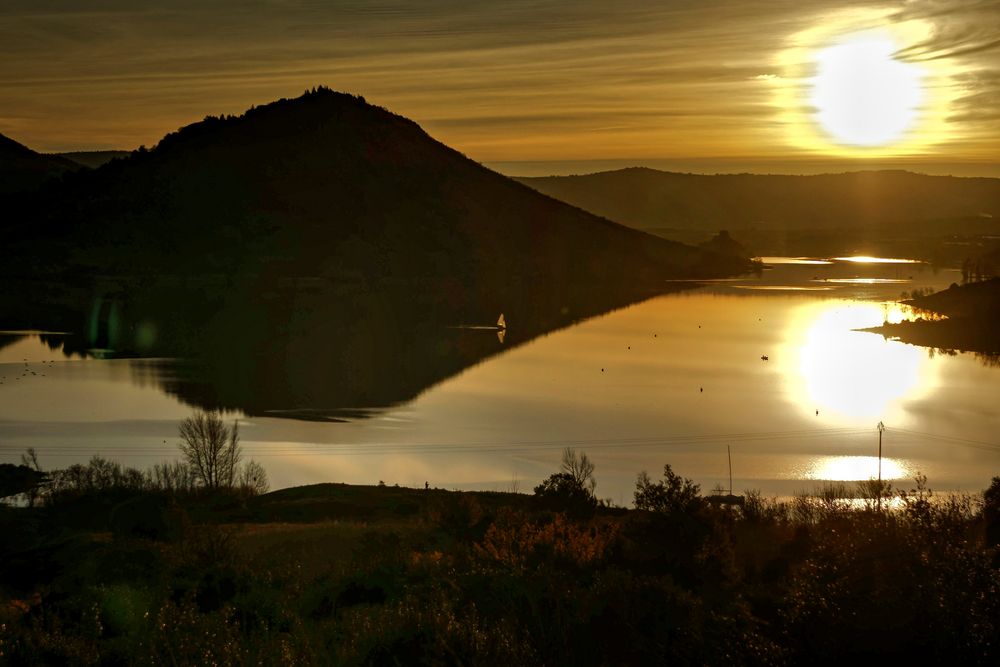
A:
x: 513, y: 80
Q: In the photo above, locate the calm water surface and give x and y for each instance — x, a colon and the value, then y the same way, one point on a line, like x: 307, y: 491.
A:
x: 675, y: 379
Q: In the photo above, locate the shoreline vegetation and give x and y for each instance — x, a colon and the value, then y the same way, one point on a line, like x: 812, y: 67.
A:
x: 189, y: 564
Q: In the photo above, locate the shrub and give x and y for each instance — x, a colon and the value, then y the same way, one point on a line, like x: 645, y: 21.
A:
x: 673, y: 494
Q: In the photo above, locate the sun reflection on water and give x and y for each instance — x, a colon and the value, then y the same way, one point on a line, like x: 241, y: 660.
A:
x: 854, y: 376
x: 856, y: 468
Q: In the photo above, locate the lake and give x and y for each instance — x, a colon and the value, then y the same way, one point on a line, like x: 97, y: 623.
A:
x: 769, y: 366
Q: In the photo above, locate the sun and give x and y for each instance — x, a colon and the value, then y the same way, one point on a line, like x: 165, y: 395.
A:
x: 863, y: 95
x: 858, y: 83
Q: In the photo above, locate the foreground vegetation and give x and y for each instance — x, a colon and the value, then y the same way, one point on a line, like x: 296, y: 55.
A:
x: 373, y: 575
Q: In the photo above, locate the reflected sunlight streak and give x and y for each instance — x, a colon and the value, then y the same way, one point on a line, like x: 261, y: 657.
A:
x: 868, y: 259
x: 859, y: 377
x: 856, y: 468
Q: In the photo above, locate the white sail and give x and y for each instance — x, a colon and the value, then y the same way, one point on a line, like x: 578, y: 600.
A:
x: 501, y: 323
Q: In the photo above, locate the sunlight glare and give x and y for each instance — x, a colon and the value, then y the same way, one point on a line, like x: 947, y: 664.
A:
x: 855, y: 468
x: 868, y: 259
x: 855, y: 84
x: 859, y: 377
x: 863, y: 96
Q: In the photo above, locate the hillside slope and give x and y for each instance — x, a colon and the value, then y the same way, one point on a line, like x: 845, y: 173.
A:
x: 328, y: 185
x: 22, y: 169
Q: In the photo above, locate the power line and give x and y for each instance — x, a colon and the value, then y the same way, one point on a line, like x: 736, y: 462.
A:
x: 492, y: 447
x: 978, y: 444
x: 514, y: 446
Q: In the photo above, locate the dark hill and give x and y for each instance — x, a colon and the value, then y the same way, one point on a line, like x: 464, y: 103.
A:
x: 328, y: 185
x: 22, y: 169
x: 972, y: 321
x: 649, y: 199
x: 973, y: 300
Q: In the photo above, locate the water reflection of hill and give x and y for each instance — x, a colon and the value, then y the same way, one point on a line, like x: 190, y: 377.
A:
x: 313, y: 351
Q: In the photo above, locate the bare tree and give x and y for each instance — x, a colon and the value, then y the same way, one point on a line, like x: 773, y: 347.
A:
x: 580, y: 468
x: 30, y: 460
x: 172, y: 476
x: 211, y: 448
x: 253, y: 479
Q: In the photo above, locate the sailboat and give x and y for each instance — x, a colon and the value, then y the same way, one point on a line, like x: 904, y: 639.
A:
x: 500, y: 327
x: 717, y: 498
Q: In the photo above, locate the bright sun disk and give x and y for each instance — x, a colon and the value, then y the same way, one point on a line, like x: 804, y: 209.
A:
x: 862, y: 95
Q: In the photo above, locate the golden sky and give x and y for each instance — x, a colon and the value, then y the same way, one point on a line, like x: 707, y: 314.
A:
x: 714, y: 85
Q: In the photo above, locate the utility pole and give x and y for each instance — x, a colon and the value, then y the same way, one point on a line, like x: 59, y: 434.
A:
x: 730, y: 453
x: 881, y: 427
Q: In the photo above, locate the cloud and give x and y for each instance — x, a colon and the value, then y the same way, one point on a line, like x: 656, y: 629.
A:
x: 498, y: 80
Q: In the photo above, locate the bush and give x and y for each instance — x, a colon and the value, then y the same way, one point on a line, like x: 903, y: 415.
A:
x: 564, y: 493
x: 673, y: 494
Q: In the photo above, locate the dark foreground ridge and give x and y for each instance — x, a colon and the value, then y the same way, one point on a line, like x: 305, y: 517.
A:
x: 113, y: 569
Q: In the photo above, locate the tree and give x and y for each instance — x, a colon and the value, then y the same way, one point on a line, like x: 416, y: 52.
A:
x: 580, y: 468
x: 16, y: 480
x: 33, y: 469
x: 562, y: 492
x: 571, y: 490
x: 253, y: 479
x: 211, y: 448
x: 673, y: 494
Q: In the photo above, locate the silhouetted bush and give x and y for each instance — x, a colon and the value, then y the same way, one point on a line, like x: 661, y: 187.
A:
x: 673, y: 494
x: 562, y: 492
x: 572, y: 489
x: 20, y: 480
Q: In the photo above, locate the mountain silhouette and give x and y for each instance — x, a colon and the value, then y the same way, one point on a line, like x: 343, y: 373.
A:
x: 22, y: 169
x: 649, y: 199
x: 329, y: 186
x: 314, y: 258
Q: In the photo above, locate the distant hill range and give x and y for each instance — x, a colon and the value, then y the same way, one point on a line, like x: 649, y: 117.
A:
x: 650, y: 199
x: 328, y: 186
x: 22, y: 169
x: 93, y: 159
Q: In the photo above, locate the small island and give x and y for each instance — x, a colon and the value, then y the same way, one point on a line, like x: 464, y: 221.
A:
x: 962, y: 317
